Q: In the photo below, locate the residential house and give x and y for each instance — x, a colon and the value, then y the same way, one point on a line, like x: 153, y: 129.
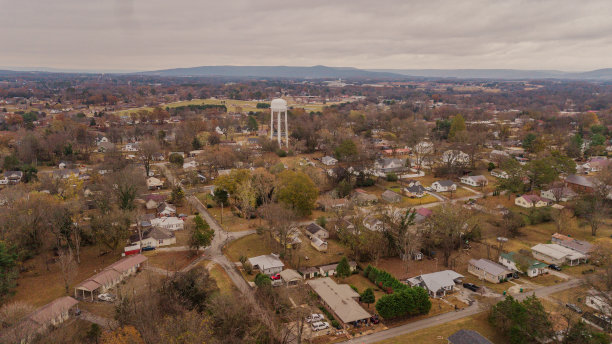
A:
x: 330, y: 269
x: 131, y: 147
x: 372, y: 223
x: 390, y: 165
x: 464, y: 336
x: 153, y: 201
x: 329, y: 161
x: 329, y: 204
x: 13, y: 177
x: 159, y: 156
x: 104, y: 147
x: 66, y: 173
x: 309, y: 272
x: 38, y: 322
x: 581, y: 246
x: 557, y: 254
x: 194, y: 153
x: 497, y: 155
x: 340, y: 299
x: 361, y: 197
x: 455, y: 156
x: 530, y: 201
x: 391, y: 197
x: 190, y: 164
x: 499, y: 174
x: 314, y: 230
x: 558, y: 194
x: 488, y: 270
x: 534, y: 268
x: 579, y: 183
x: 444, y: 186
x: 154, y: 237
x: 595, y: 164
x: 318, y: 244
x: 169, y: 223
x: 415, y: 191
x: 437, y: 284
x: 479, y: 180
x: 291, y: 277
x: 422, y: 214
x: 412, y: 182
x: 154, y: 183
x: 109, y: 277
x: 268, y: 264
x: 165, y: 209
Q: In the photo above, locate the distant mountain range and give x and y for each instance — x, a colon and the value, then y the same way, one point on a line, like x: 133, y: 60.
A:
x: 504, y: 74
x: 314, y: 72
x: 324, y: 72
x: 349, y: 73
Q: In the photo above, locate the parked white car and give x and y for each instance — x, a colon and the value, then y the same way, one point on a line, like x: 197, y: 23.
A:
x: 105, y: 297
x: 314, y: 317
x: 320, y: 325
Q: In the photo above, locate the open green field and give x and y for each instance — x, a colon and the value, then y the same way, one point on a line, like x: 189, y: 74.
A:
x: 231, y: 104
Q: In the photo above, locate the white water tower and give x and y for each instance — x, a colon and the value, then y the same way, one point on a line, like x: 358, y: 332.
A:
x: 279, y: 106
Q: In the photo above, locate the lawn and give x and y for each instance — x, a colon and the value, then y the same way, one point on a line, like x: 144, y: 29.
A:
x: 231, y: 222
x: 38, y: 286
x: 248, y: 246
x: 225, y: 284
x: 362, y: 283
x: 255, y: 245
x: 440, y: 333
x: 231, y: 104
x: 171, y: 261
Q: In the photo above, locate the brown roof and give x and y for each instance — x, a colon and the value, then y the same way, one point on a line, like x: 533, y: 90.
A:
x: 127, y: 263
x: 50, y: 311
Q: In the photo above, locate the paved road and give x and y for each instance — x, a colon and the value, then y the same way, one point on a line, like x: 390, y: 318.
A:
x: 452, y: 316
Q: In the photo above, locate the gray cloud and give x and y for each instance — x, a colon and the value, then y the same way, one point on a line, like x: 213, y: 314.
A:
x: 152, y: 34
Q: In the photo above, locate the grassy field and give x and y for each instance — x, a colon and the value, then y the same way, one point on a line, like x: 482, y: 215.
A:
x: 39, y: 286
x: 439, y: 334
x: 231, y: 104
x: 171, y: 261
x: 255, y: 245
x: 225, y: 284
x: 231, y: 222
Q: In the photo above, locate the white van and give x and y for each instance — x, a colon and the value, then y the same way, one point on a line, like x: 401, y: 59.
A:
x: 320, y: 325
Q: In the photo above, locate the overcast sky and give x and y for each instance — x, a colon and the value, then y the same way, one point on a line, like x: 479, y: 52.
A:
x: 154, y: 34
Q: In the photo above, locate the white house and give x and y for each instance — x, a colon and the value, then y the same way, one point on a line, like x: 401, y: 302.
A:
x: 444, y: 186
x: 534, y: 269
x: 498, y: 154
x: 154, y: 183
x: 390, y: 165
x: 268, y: 264
x: 455, y: 156
x: 558, y: 194
x: 314, y: 230
x: 165, y: 209
x: 479, y: 180
x: 190, y: 164
x: 557, y: 254
x: 500, y: 174
x: 131, y: 147
x: 154, y: 237
x: 168, y: 223
x: 318, y: 244
x: 329, y: 161
x: 438, y: 283
x: 530, y: 201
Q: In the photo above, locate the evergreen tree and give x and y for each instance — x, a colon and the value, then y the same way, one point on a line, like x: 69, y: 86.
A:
x: 457, y: 126
x: 343, y: 269
x: 368, y: 296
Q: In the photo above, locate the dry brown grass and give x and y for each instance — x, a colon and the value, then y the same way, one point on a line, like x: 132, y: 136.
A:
x: 438, y: 334
x: 171, y: 261
x: 38, y: 286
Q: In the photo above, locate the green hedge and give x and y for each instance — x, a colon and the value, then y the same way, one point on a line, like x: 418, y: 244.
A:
x: 402, y: 300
